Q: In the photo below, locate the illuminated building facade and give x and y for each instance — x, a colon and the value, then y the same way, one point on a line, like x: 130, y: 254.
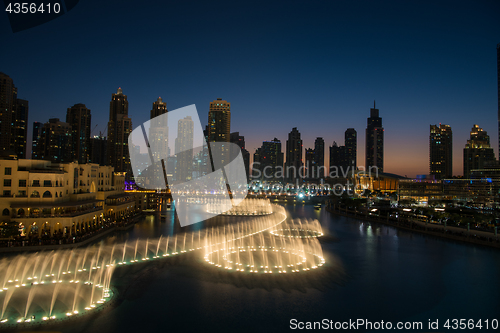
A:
x: 477, y: 151
x: 119, y: 128
x: 68, y: 198
x: 374, y: 141
x: 441, y: 151
x: 79, y: 118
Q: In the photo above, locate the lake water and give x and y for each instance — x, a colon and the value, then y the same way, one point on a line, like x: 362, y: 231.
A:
x: 390, y: 275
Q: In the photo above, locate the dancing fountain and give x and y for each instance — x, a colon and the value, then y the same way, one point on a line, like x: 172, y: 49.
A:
x: 248, y: 207
x: 63, y: 284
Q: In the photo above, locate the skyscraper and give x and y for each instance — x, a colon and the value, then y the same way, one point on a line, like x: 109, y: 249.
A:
x: 270, y: 160
x: 374, y: 141
x: 293, y: 155
x: 184, y: 149
x: 310, y: 166
x: 318, y: 171
x: 13, y: 119
x: 477, y: 151
x: 20, y: 129
x: 441, y: 151
x: 158, y: 131
x: 338, y: 161
x: 239, y: 140
x: 219, y: 126
x: 98, y: 150
x: 35, y: 142
x: 256, y: 165
x: 119, y: 128
x: 78, y: 117
x: 55, y: 143
x: 219, y: 121
x: 351, y: 147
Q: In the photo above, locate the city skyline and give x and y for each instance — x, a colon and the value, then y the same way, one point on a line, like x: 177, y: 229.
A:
x: 260, y: 166
x: 410, y: 66
x: 159, y: 103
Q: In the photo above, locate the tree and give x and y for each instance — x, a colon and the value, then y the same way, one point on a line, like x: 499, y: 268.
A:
x: 9, y: 229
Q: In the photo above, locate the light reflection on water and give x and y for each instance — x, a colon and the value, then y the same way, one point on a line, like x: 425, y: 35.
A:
x: 391, y: 275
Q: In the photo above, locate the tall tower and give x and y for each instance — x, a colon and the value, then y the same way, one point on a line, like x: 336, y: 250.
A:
x: 8, y: 94
x: 319, y: 159
x: 293, y: 155
x: 119, y: 128
x: 219, y: 121
x: 78, y: 117
x: 310, y: 163
x: 441, y: 151
x: 351, y: 148
x: 477, y: 151
x: 184, y: 149
x: 271, y: 160
x: 35, y: 142
x: 20, y: 127
x: 374, y: 141
x: 338, y: 161
x: 239, y: 140
x: 158, y: 131
x: 55, y: 143
x: 13, y: 119
x: 98, y: 149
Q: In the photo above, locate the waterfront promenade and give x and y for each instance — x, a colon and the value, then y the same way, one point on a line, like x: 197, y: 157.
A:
x: 73, y: 242
x: 407, y: 223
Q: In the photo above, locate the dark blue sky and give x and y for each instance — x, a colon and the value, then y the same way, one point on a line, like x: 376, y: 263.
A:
x: 315, y: 65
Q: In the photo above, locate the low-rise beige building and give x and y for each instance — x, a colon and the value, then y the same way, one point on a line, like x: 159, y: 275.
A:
x: 47, y: 198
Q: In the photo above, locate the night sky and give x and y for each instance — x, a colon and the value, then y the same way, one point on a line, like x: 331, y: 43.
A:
x: 314, y: 65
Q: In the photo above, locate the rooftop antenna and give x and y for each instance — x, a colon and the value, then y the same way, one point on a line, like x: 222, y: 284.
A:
x: 374, y: 104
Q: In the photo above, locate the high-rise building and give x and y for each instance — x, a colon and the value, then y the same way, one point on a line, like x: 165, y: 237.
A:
x: 318, y: 170
x: 184, y: 149
x: 293, y: 155
x: 98, y: 149
x: 13, y: 119
x: 55, y: 143
x: 310, y: 166
x: 219, y: 126
x: 338, y: 161
x: 256, y: 165
x: 8, y: 96
x: 374, y: 142
x: 477, y: 151
x: 20, y: 129
x: 78, y: 117
x: 35, y: 142
x: 119, y: 128
x: 219, y: 121
x: 441, y: 151
x: 270, y: 160
x: 351, y: 147
x: 202, y: 163
x: 239, y: 140
x: 158, y: 131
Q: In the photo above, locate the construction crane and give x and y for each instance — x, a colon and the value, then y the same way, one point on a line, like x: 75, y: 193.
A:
x: 93, y: 129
